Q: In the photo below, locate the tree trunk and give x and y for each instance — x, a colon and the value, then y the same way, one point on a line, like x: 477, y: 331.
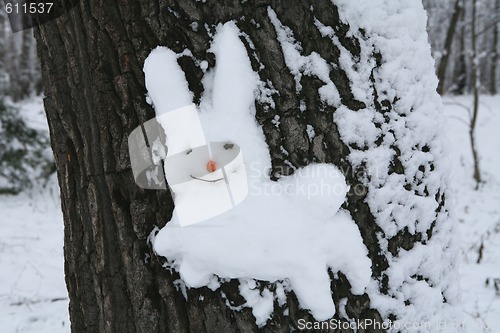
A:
x: 92, y: 60
x: 476, y: 85
x: 25, y: 73
x: 3, y: 39
x: 4, y: 84
x: 443, y: 63
x: 494, y: 52
x: 460, y: 70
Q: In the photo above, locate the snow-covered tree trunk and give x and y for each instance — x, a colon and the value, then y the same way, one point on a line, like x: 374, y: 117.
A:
x: 348, y: 83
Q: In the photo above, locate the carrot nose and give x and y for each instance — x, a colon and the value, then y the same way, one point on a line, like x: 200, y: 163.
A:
x: 211, y: 166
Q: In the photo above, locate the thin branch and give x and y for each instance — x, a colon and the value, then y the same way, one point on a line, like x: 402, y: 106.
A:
x: 460, y: 119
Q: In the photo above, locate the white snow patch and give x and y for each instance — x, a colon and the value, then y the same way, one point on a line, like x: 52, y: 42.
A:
x: 165, y: 81
x: 33, y: 296
x: 310, y: 132
x: 259, y: 238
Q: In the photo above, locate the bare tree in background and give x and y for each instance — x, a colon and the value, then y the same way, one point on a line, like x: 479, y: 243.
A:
x: 452, y: 46
x: 18, y: 61
x: 476, y: 59
x: 494, y: 50
x: 447, y: 50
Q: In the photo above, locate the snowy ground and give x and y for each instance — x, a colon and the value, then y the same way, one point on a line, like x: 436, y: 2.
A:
x: 477, y: 212
x: 33, y: 297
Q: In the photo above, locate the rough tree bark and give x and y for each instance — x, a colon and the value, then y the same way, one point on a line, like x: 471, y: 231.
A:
x: 92, y: 59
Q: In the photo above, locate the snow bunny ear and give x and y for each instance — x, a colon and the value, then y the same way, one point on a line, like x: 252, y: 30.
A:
x: 201, y: 190
x: 168, y: 90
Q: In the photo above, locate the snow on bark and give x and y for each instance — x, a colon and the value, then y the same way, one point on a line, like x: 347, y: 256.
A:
x: 403, y: 126
x: 299, y: 65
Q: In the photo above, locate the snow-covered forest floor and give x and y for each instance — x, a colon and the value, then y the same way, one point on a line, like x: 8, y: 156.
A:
x: 477, y: 213
x: 33, y: 297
